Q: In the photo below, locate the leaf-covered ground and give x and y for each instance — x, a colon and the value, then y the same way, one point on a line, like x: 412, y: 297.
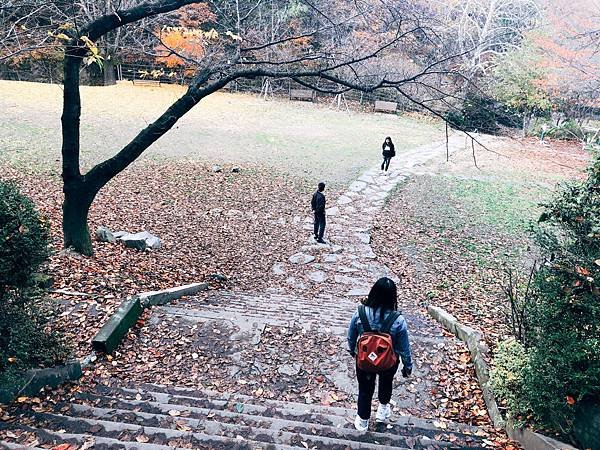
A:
x: 233, y: 224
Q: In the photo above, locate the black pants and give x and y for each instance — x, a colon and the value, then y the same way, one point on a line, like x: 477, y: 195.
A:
x: 319, y: 224
x: 386, y: 162
x: 366, y: 388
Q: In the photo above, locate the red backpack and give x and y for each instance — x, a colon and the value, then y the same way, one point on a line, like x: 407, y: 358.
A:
x: 375, y: 349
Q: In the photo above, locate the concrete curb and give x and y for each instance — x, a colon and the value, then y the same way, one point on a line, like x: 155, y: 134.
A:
x: 106, y: 340
x: 36, y: 379
x: 155, y: 298
x: 530, y: 440
x: 111, y: 334
x: 117, y: 326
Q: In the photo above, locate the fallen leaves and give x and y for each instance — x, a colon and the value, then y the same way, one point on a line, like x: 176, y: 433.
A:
x: 197, y: 214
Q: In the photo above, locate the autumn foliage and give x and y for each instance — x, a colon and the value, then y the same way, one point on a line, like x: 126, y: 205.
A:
x: 181, y: 45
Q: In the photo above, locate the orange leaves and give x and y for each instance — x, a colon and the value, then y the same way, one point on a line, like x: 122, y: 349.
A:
x: 64, y: 447
x: 179, y: 44
x: 570, y: 400
x: 582, y: 271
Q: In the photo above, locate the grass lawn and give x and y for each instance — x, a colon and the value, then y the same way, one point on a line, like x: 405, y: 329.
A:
x: 305, y: 139
x: 453, y: 231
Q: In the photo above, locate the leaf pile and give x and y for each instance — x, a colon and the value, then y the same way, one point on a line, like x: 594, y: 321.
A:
x: 233, y: 224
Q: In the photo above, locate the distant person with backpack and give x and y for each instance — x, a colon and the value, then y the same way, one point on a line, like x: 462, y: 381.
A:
x: 378, y: 339
x: 318, y: 206
x: 388, y: 153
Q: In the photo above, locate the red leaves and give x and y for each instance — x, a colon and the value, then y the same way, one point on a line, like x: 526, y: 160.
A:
x: 570, y: 400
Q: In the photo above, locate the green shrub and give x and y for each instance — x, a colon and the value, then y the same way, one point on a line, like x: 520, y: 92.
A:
x: 510, y: 364
x: 569, y: 131
x: 24, y: 238
x: 482, y: 114
x: 562, y: 365
x: 25, y: 340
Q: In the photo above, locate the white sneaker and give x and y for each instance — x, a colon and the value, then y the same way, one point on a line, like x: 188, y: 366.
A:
x: 360, y: 424
x: 383, y: 413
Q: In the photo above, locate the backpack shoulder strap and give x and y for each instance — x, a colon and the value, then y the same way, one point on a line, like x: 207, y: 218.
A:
x: 389, y: 321
x: 362, y: 313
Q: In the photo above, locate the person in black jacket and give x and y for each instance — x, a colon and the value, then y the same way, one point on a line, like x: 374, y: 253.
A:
x: 388, y: 153
x: 318, y: 206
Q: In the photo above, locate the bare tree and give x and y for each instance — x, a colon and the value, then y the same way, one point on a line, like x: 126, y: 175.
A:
x: 483, y: 29
x: 333, y: 47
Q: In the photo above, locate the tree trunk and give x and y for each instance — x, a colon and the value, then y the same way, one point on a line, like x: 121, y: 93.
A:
x: 109, y: 72
x: 75, y: 215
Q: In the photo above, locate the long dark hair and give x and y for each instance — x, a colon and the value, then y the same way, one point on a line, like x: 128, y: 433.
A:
x: 385, y: 140
x: 384, y: 295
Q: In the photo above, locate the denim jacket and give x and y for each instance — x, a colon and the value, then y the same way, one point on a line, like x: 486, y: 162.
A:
x: 398, y: 331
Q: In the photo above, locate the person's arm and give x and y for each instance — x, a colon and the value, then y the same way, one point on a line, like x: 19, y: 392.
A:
x: 402, y: 345
x: 353, y: 333
x: 313, y: 202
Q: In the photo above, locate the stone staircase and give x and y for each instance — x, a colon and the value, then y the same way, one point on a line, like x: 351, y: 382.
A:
x: 154, y: 417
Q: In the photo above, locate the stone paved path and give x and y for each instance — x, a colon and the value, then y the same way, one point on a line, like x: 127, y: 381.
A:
x: 319, y: 287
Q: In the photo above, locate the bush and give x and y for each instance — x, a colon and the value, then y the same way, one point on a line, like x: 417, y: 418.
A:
x: 24, y: 238
x: 25, y: 340
x: 568, y: 131
x: 562, y: 363
x: 482, y: 114
x: 511, y: 361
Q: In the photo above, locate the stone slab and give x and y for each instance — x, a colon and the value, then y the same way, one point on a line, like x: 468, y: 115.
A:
x: 357, y: 186
x: 36, y: 379
x: 278, y: 269
x: 333, y: 211
x: 165, y: 296
x: 110, y: 335
x: 301, y: 258
x: 344, y: 200
x: 318, y: 276
x: 358, y: 292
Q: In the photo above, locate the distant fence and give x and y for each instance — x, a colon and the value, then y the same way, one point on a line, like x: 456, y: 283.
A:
x: 266, y: 86
x: 263, y: 86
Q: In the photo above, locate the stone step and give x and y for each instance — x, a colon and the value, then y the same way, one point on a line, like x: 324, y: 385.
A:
x: 227, y: 423
x: 307, y: 424
x: 310, y: 415
x: 198, y: 441
x: 335, y: 321
x: 117, y: 429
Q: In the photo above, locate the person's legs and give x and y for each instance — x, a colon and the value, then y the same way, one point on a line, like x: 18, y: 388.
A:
x: 386, y: 384
x: 366, y: 388
x: 316, y: 227
x: 383, y: 163
x: 322, y: 222
x: 387, y: 163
